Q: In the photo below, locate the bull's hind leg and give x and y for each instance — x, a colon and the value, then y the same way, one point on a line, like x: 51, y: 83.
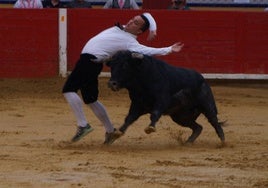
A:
x: 209, y: 109
x: 217, y: 126
x: 196, y: 128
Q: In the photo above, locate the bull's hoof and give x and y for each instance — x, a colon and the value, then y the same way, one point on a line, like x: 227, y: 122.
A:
x: 222, y: 144
x: 149, y: 129
x: 187, y: 143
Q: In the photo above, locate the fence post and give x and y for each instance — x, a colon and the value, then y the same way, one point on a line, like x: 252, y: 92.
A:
x: 63, y: 42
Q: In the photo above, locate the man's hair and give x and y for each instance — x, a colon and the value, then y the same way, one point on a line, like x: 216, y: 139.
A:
x: 146, y: 23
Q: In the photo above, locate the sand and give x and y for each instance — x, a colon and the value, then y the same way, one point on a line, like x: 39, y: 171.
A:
x: 36, y: 125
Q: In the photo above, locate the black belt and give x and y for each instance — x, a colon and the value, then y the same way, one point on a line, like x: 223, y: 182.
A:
x: 92, y: 57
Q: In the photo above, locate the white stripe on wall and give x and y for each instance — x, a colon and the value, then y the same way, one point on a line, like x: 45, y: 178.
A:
x: 237, y: 76
x: 220, y: 76
x: 63, y: 42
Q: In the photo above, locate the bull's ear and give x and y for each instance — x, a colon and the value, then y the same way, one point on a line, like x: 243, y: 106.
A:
x: 137, y: 55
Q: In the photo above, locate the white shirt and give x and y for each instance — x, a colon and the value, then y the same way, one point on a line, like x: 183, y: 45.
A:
x: 108, y: 42
x: 28, y: 4
x: 133, y: 4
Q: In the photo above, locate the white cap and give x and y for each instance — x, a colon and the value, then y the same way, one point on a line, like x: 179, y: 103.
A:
x: 152, y: 25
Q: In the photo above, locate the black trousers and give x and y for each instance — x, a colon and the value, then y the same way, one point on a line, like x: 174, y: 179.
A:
x: 84, y: 77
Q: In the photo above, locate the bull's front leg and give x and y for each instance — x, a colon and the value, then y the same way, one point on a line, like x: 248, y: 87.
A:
x: 155, y: 116
x: 162, y: 102
x: 134, y: 113
x: 128, y: 121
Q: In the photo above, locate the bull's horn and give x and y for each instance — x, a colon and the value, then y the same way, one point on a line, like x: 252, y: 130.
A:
x: 137, y: 55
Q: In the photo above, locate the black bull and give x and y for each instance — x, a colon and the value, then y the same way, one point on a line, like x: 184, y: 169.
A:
x: 158, y: 88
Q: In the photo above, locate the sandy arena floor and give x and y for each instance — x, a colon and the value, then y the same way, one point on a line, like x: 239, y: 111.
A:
x: 36, y: 125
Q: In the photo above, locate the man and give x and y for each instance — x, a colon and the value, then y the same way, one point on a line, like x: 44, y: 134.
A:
x: 79, y: 4
x: 52, y: 4
x: 84, y: 77
x: 179, y: 5
x: 28, y: 4
x: 121, y: 4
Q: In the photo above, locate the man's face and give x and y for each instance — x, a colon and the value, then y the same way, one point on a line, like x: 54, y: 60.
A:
x: 134, y: 25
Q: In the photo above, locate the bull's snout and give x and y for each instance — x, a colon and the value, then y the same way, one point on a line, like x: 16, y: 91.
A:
x: 113, y: 85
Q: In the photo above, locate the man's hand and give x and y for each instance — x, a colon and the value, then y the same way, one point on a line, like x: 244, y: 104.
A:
x: 177, y: 47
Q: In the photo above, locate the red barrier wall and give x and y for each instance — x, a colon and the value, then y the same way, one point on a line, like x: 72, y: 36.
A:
x: 155, y: 4
x: 215, y: 42
x: 29, y: 43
